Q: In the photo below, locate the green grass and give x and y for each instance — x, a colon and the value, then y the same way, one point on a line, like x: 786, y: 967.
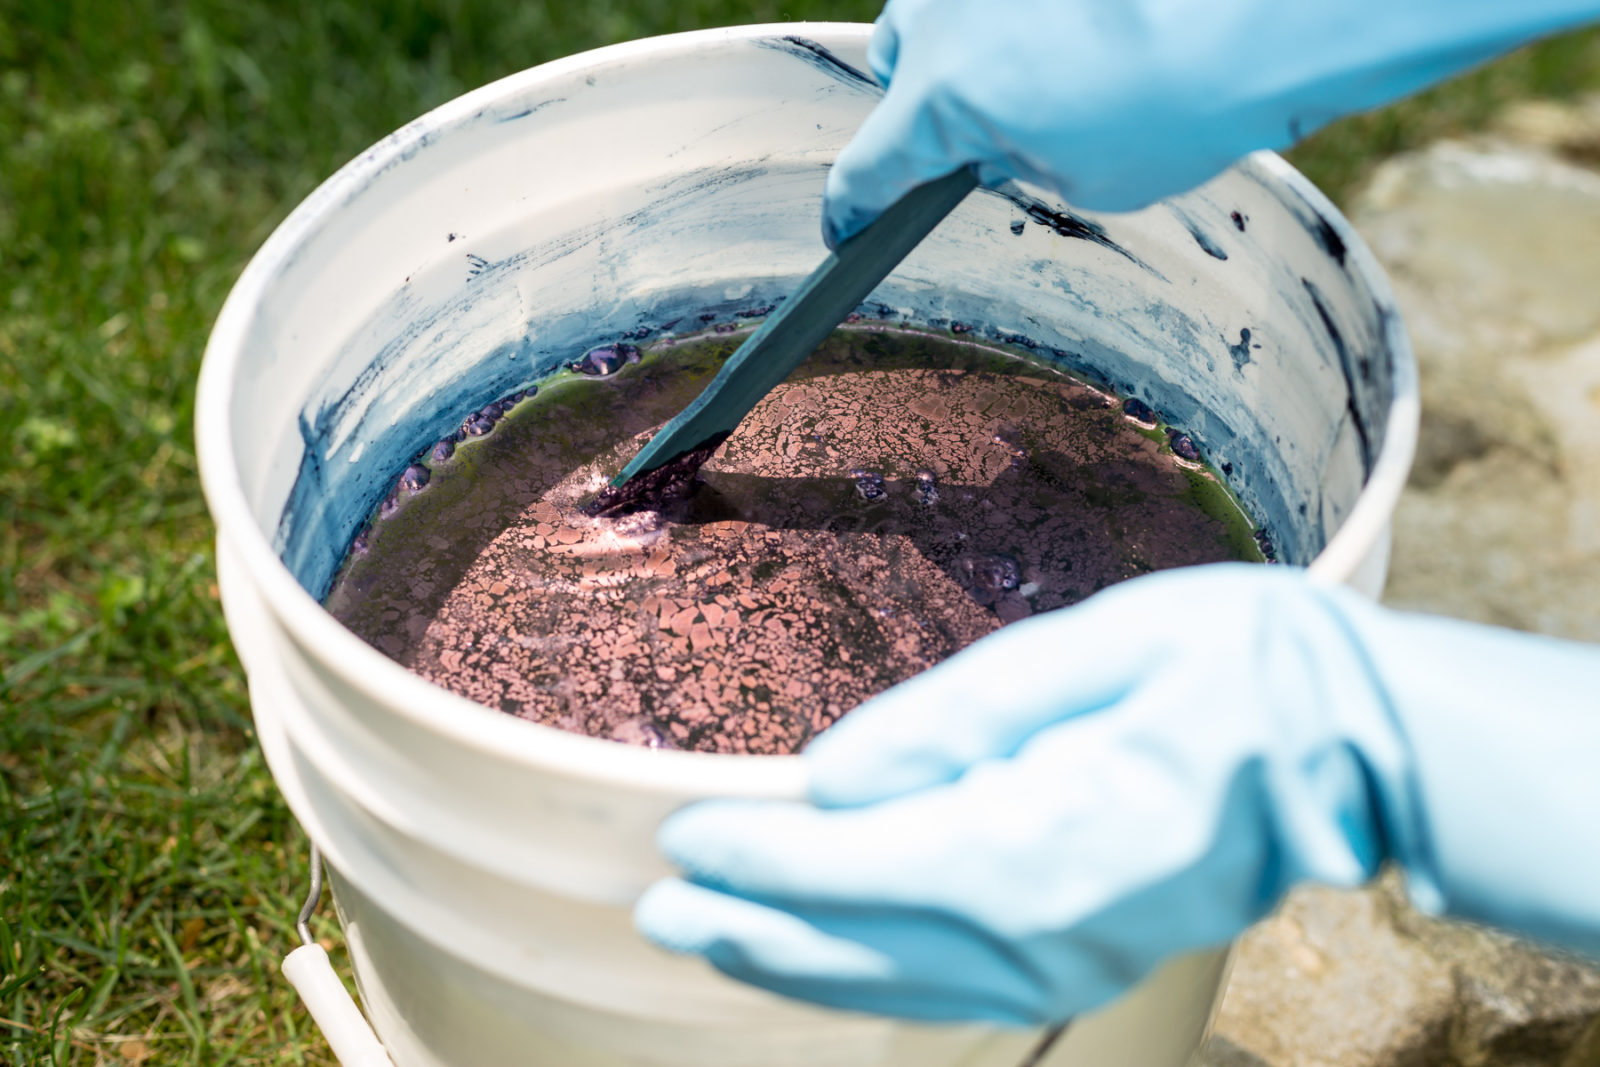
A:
x: 1340, y: 157
x: 149, y: 874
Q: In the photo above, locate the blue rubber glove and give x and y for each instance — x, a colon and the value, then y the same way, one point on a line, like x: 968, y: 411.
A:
x: 1024, y: 831
x: 1115, y: 104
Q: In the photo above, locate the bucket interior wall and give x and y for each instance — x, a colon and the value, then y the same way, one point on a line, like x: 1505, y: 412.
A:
x: 532, y: 223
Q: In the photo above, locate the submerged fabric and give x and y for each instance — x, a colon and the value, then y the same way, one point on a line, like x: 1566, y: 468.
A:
x: 900, y: 497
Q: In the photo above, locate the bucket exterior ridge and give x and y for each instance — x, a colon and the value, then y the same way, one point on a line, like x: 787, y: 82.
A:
x: 484, y: 867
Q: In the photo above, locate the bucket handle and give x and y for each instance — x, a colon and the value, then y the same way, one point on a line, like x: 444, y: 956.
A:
x: 332, y: 1008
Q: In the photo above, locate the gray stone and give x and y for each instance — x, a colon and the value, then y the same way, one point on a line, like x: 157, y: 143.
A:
x: 1329, y: 982
x: 1361, y: 979
x: 1516, y: 1004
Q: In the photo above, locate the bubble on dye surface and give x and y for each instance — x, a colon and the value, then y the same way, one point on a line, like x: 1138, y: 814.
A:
x: 415, y: 477
x: 1138, y: 411
x: 637, y: 524
x: 1010, y: 438
x: 1264, y: 543
x: 642, y: 733
x: 443, y: 450
x: 360, y: 543
x: 988, y: 576
x: 927, y: 487
x: 868, y: 483
x: 602, y: 361
x: 390, y: 505
x: 1183, y: 446
x: 479, y: 425
x: 960, y: 327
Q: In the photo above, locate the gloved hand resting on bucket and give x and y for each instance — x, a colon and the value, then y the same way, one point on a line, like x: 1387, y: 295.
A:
x: 1025, y: 830
x: 1115, y: 104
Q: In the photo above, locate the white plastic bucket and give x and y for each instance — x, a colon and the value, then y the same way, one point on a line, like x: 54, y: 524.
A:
x: 484, y: 867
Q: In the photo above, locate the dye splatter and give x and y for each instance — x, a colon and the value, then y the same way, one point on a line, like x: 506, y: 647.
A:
x: 823, y: 60
x: 1201, y: 236
x: 1240, y: 352
x: 893, y: 501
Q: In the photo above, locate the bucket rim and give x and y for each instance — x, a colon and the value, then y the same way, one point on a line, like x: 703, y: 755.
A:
x: 465, y: 722
x: 1369, y: 518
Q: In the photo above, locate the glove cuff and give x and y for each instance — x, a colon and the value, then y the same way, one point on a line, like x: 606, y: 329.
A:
x: 1497, y: 817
